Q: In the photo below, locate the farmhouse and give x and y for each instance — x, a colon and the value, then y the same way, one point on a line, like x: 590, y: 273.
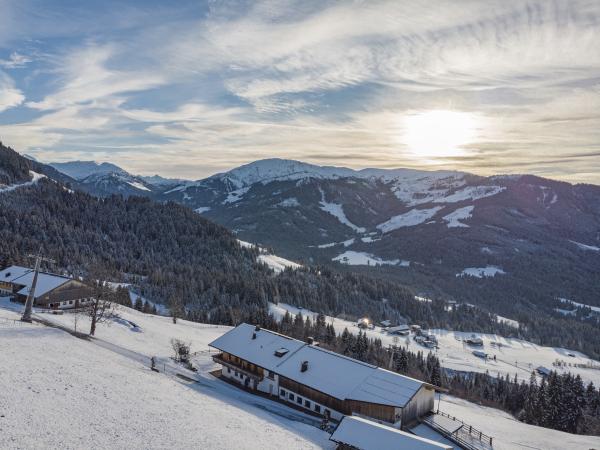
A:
x: 357, y: 433
x: 52, y: 291
x: 318, y: 380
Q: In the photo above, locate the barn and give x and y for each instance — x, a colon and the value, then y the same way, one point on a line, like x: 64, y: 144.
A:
x: 318, y: 380
x: 52, y: 291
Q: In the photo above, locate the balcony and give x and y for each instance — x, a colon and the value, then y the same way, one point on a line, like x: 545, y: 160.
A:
x: 224, y: 362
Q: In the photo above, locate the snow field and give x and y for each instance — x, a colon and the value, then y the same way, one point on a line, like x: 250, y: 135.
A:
x: 68, y: 393
x: 513, y: 356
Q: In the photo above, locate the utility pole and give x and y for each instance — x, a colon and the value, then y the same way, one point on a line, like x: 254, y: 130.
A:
x: 31, y: 296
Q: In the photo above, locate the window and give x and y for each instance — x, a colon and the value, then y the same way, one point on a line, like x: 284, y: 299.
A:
x: 291, y: 396
x: 299, y: 400
x: 70, y: 302
x: 307, y: 403
x: 228, y: 370
x: 327, y: 413
x: 317, y: 408
x: 282, y: 393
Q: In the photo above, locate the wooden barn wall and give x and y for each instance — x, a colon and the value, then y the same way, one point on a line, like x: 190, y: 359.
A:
x: 419, y: 405
x: 72, y: 290
x: 379, y: 412
x: 312, y: 394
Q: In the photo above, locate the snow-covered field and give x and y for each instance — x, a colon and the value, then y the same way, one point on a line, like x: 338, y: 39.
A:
x: 408, y: 219
x: 59, y: 391
x: 481, y: 272
x: 277, y: 263
x: 454, y: 218
x: 78, y: 394
x: 353, y: 258
x: 509, y: 433
x: 513, y: 356
x: 337, y: 210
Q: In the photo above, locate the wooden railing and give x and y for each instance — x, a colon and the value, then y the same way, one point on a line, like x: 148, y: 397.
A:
x: 467, y: 436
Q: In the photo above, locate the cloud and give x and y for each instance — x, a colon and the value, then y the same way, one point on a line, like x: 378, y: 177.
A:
x: 15, y: 61
x: 200, y: 88
x: 10, y: 96
x: 85, y: 77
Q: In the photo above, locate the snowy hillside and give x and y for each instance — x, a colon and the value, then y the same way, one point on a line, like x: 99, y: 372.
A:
x: 513, y: 356
x: 103, y: 393
x: 63, y: 392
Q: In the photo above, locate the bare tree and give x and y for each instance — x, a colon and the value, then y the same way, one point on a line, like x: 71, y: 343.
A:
x: 102, y: 301
x: 181, y: 349
x: 176, y: 306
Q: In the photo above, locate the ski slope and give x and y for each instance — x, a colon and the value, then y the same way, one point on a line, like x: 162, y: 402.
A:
x: 513, y: 356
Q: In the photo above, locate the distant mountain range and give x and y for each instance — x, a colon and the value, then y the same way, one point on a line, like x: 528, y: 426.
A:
x: 503, y: 241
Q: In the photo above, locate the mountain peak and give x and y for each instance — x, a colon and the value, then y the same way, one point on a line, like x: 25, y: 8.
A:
x: 83, y: 169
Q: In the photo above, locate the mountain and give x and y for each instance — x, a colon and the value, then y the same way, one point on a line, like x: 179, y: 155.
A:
x: 105, y: 184
x: 105, y: 179
x: 510, y: 243
x: 176, y: 256
x: 80, y: 170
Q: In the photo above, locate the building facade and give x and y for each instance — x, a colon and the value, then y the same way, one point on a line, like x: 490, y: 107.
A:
x: 52, y: 291
x: 320, y: 381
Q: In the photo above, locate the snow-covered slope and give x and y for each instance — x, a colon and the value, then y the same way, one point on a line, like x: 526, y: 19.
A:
x: 35, y: 177
x: 101, y: 393
x: 267, y: 170
x: 513, y: 356
x: 59, y: 391
x: 509, y: 433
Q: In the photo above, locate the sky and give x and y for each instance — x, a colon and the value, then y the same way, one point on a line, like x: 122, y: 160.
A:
x: 190, y: 88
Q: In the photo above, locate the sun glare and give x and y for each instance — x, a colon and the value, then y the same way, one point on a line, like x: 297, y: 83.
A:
x: 439, y: 133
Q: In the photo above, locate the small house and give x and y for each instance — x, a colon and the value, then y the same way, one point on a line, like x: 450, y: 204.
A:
x: 385, y: 323
x: 52, y: 291
x: 543, y: 371
x: 480, y: 354
x: 474, y: 340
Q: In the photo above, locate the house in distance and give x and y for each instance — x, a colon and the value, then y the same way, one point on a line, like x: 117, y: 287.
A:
x: 52, y: 291
x: 320, y: 381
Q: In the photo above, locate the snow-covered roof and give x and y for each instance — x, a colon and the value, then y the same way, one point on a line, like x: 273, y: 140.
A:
x: 367, y: 435
x: 328, y: 372
x: 386, y: 388
x: 360, y: 381
x: 259, y: 351
x: 46, y: 282
x: 13, y: 272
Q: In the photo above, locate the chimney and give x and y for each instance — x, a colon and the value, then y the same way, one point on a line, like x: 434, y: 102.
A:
x: 310, y: 340
x: 304, y: 366
x: 257, y: 328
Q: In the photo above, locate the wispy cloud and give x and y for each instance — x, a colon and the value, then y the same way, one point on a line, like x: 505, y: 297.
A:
x: 198, y: 88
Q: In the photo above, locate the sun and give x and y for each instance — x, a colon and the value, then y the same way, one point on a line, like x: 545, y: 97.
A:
x: 439, y: 133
